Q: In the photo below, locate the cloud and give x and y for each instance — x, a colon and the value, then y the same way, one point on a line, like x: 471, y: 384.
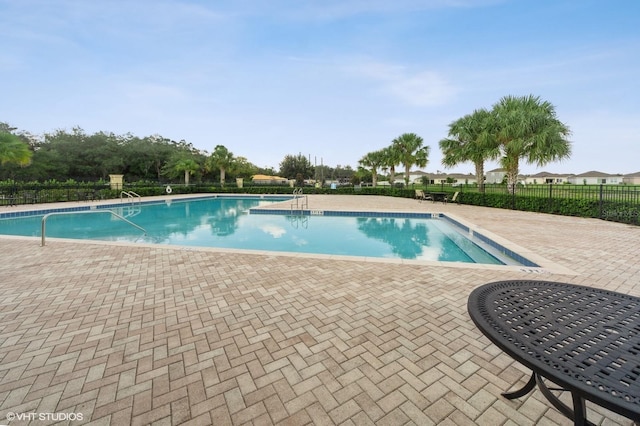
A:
x: 427, y: 88
x: 152, y: 93
x: 338, y: 9
x: 421, y: 88
x: 273, y: 230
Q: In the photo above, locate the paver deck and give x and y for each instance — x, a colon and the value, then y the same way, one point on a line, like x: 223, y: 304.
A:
x: 135, y: 334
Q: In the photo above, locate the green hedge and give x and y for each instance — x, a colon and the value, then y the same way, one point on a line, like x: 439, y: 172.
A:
x: 26, y: 193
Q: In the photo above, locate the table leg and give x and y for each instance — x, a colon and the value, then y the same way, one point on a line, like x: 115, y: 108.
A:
x: 579, y: 412
x: 522, y: 391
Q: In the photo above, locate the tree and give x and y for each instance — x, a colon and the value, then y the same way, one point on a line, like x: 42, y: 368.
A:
x: 180, y: 163
x: 372, y: 161
x: 269, y: 171
x: 243, y: 168
x: 410, y: 152
x: 145, y: 157
x: 221, y: 159
x: 471, y: 138
x: 527, y: 128
x: 390, y: 159
x: 14, y: 150
x: 85, y: 156
x: 292, y: 165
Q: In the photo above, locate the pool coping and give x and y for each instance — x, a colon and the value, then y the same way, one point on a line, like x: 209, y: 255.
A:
x: 534, y: 262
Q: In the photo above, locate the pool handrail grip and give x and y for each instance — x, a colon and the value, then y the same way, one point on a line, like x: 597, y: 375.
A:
x: 297, y: 194
x: 44, y: 220
x: 130, y: 195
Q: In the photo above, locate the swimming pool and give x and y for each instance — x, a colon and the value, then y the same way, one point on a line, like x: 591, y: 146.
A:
x: 238, y: 223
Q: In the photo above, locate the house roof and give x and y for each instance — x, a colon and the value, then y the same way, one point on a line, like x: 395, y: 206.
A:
x: 594, y: 173
x: 462, y: 176
x: 630, y: 175
x: 267, y: 177
x: 547, y: 174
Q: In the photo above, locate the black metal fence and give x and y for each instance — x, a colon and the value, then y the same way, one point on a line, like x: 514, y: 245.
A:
x: 12, y: 194
x: 620, y: 203
x: 30, y: 193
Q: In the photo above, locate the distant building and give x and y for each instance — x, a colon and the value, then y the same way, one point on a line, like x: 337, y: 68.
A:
x: 462, y: 179
x: 495, y: 176
x: 546, y: 177
x: 416, y: 178
x: 595, y: 178
x: 268, y: 180
x: 631, y: 179
x: 498, y: 176
x: 436, y: 177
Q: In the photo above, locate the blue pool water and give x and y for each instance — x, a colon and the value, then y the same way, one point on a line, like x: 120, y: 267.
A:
x: 225, y: 222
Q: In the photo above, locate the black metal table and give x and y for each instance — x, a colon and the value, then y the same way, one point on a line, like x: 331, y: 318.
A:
x: 438, y: 196
x: 582, y: 339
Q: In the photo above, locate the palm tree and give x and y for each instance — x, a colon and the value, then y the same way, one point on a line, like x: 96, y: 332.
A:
x: 410, y: 152
x: 528, y: 128
x: 373, y: 161
x: 471, y: 138
x: 221, y: 159
x: 14, y: 150
x: 180, y: 163
x: 390, y: 159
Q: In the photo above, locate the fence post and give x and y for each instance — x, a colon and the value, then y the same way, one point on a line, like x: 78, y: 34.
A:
x: 512, y: 190
x: 601, y: 202
x: 550, y: 205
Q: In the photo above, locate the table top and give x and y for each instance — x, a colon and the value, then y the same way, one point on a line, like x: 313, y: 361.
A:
x: 584, y: 339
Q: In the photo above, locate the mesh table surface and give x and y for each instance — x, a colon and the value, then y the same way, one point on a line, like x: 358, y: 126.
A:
x: 584, y: 339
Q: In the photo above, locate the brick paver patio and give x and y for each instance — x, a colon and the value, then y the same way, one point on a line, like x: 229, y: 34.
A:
x: 133, y: 334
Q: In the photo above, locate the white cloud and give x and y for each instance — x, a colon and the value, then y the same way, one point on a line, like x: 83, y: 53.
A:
x: 422, y: 88
x: 339, y: 9
x: 273, y: 230
x: 151, y: 93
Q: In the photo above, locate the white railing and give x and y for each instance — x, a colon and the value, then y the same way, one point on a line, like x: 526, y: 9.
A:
x: 131, y: 196
x: 300, y: 200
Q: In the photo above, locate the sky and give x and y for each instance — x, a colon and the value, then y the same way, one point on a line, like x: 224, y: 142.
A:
x: 328, y: 79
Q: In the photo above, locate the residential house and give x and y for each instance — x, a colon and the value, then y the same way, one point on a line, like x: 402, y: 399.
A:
x: 414, y: 177
x: 435, y: 178
x: 495, y: 176
x: 631, y: 179
x: 595, y: 178
x: 268, y: 180
x: 546, y: 177
x: 499, y: 176
x: 462, y: 179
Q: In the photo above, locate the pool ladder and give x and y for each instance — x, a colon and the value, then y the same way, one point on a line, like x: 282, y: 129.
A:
x: 131, y: 196
x: 300, y: 200
x: 46, y: 216
x: 299, y: 221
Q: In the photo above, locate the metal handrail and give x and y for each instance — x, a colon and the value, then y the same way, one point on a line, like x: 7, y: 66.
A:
x: 298, y: 194
x: 130, y: 194
x: 44, y: 220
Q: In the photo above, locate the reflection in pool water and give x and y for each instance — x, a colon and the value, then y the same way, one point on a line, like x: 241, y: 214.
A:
x: 225, y: 222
